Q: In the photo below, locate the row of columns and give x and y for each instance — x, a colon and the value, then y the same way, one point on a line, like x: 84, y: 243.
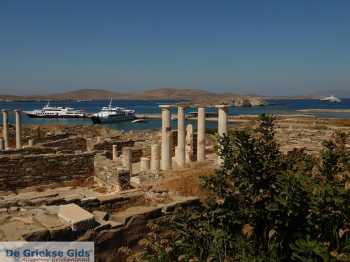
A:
x: 166, y: 144
x: 161, y: 156
x: 5, y: 129
x: 146, y: 163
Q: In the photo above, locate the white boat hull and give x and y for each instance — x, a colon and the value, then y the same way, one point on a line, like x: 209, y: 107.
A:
x: 111, y: 119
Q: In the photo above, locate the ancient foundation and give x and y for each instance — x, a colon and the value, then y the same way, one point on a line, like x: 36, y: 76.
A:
x: 21, y: 171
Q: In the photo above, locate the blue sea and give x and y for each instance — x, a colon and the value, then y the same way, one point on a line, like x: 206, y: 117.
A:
x: 274, y: 107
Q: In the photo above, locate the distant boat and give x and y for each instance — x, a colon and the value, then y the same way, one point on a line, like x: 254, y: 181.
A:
x: 84, y: 100
x: 112, y: 114
x: 331, y: 99
x: 140, y: 120
x: 56, y: 112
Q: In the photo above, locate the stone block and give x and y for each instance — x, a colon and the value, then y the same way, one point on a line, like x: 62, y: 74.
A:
x: 48, y: 221
x: 78, y: 218
x: 100, y: 215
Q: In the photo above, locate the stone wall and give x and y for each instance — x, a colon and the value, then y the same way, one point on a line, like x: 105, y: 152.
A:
x: 136, y: 154
x: 67, y: 144
x: 107, y: 145
x: 40, y: 136
x: 20, y: 171
x: 28, y: 151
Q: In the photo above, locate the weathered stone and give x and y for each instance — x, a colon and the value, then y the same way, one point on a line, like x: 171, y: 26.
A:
x: 68, y: 144
x: 166, y: 138
x: 155, y: 158
x: 61, y: 233
x: 123, y: 177
x: 21, y: 171
x: 115, y: 224
x: 114, y: 152
x: 190, y: 145
x: 89, y: 201
x: 2, y: 144
x: 18, y: 115
x: 37, y: 235
x: 107, y: 236
x: 5, y: 129
x: 103, y: 226
x: 181, y: 137
x: 100, y: 215
x: 132, y: 213
x: 48, y: 221
x: 31, y: 142
x: 78, y: 218
x: 15, y: 230
x: 110, y: 198
x: 75, y: 198
x: 55, y: 201
x: 127, y: 158
x: 201, y: 134
x: 145, y: 164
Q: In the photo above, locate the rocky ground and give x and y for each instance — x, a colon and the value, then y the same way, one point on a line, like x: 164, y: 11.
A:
x: 112, y: 216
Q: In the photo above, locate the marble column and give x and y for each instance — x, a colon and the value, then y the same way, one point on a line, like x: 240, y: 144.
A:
x: 30, y: 142
x: 5, y: 128
x: 181, y: 136
x: 166, y: 137
x: 155, y: 158
x: 189, y: 143
x: 127, y: 158
x: 144, y: 164
x: 222, y: 119
x: 114, y: 153
x: 222, y: 124
x: 201, y: 134
x: 18, y: 129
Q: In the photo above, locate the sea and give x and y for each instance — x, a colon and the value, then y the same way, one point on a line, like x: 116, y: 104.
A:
x: 274, y: 106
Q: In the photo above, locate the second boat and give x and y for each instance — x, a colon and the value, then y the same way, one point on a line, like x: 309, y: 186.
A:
x: 112, y: 114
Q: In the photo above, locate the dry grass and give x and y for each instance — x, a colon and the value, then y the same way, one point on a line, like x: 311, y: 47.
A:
x: 187, y: 182
x: 340, y: 122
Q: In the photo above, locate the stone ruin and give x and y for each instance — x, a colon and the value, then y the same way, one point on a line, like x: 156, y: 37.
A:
x: 95, y: 184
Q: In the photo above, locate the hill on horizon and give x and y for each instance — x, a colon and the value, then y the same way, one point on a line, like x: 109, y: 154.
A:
x: 194, y: 95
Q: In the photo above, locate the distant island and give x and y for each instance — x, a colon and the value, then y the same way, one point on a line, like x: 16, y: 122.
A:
x: 190, y: 95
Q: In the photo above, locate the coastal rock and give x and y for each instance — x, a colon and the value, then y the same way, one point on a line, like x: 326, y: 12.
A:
x: 257, y: 101
x: 248, y: 101
x: 241, y: 101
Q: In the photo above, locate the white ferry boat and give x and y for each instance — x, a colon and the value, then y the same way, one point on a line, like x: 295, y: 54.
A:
x: 56, y: 112
x: 332, y: 99
x: 113, y: 114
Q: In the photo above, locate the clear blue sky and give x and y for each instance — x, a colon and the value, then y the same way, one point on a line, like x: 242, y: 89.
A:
x: 272, y: 47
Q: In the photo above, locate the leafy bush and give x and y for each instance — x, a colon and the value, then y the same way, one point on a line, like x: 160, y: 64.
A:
x: 264, y: 206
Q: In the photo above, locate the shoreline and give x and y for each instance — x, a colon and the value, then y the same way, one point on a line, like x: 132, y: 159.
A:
x: 325, y: 110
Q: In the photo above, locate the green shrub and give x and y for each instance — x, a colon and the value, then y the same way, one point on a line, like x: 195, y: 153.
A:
x: 264, y: 206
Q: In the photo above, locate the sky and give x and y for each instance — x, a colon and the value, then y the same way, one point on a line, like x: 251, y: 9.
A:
x: 265, y: 47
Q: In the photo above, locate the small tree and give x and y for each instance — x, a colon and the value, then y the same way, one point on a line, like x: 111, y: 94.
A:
x: 264, y: 205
